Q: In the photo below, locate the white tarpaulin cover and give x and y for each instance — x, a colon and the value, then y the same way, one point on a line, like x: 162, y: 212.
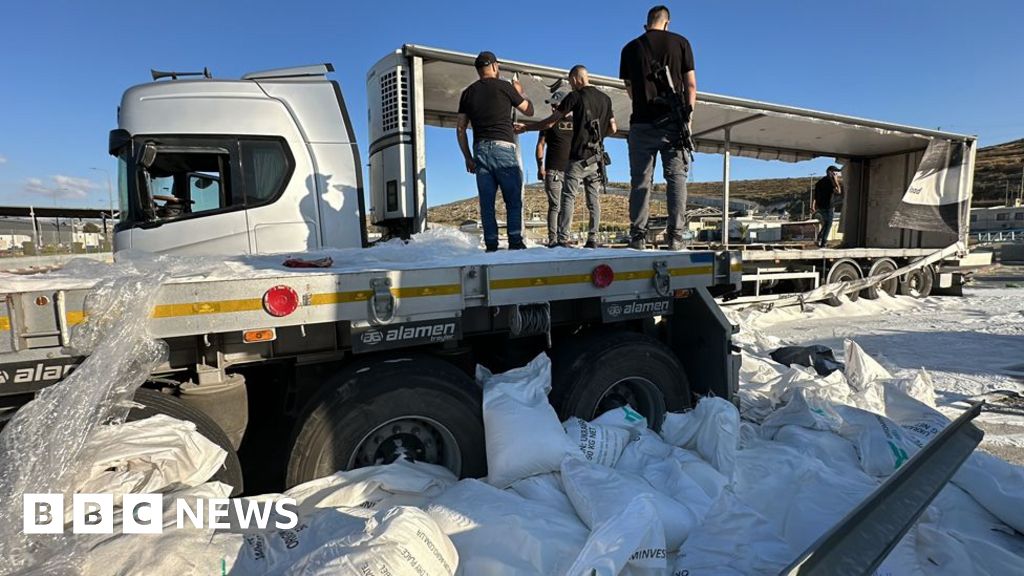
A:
x: 937, y: 199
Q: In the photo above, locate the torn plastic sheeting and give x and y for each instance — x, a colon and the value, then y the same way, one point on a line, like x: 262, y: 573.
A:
x: 502, y: 534
x: 41, y: 448
x: 521, y: 430
x: 814, y: 356
x: 155, y: 454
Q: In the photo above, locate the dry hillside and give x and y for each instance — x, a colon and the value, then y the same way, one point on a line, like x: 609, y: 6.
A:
x: 996, y: 168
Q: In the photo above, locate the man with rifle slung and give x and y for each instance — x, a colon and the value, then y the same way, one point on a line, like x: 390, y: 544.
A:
x: 592, y: 116
x: 660, y: 79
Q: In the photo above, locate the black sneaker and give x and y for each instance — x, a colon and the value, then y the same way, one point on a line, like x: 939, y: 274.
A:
x: 491, y: 248
x: 516, y: 245
x: 638, y: 243
x: 590, y: 244
x: 675, y: 244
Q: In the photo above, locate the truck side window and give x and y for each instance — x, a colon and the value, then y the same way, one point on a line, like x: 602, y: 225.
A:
x: 267, y: 166
x: 184, y: 183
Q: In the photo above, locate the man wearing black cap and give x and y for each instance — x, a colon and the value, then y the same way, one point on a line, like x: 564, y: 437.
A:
x: 652, y: 128
x: 487, y: 105
x: 830, y: 185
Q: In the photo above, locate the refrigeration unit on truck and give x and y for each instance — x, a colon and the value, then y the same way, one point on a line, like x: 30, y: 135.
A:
x: 370, y: 359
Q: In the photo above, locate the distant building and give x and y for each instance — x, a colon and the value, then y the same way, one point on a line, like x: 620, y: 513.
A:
x: 996, y: 218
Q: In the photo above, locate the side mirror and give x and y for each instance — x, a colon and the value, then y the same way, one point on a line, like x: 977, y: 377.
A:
x: 147, y: 155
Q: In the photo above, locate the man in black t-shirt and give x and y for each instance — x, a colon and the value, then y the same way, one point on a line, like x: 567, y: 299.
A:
x: 487, y: 105
x: 651, y: 128
x: 824, y: 189
x: 593, y: 119
x: 552, y: 164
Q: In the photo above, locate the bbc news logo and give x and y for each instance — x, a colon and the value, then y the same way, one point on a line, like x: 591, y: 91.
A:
x: 144, y: 513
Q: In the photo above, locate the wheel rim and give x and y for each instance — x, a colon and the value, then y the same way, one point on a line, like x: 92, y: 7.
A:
x: 914, y: 282
x: 416, y: 438
x: 637, y: 392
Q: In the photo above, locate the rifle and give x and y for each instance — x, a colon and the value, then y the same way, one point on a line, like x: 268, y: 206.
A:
x: 668, y: 96
x: 680, y: 110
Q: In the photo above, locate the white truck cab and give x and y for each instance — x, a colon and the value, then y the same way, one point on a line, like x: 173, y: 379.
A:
x: 264, y: 164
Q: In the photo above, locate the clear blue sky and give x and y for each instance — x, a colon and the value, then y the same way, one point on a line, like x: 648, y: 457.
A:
x: 63, y: 65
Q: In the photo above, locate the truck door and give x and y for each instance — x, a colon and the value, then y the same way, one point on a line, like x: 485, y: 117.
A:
x: 189, y: 199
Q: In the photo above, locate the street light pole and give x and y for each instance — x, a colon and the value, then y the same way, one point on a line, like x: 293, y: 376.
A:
x: 110, y: 196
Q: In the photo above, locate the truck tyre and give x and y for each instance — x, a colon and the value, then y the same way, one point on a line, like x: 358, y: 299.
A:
x: 890, y: 286
x: 606, y: 370
x: 154, y: 402
x: 374, y: 412
x: 918, y: 283
x: 843, y: 272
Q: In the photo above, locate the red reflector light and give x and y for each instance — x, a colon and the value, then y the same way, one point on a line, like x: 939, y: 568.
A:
x: 280, y: 301
x: 602, y: 276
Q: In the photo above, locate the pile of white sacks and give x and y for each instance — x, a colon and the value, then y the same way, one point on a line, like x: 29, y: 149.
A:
x: 711, y: 494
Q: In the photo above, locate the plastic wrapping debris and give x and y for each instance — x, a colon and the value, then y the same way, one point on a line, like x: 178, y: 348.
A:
x: 711, y: 429
x: 521, y: 430
x: 631, y: 543
x: 155, y: 454
x: 600, y: 444
x: 502, y: 534
x: 41, y: 447
x: 814, y: 356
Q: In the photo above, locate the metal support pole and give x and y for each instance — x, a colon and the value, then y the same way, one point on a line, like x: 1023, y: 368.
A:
x: 725, y: 187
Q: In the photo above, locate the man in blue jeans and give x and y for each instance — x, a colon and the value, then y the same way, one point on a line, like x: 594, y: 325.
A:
x: 652, y: 131
x: 487, y: 105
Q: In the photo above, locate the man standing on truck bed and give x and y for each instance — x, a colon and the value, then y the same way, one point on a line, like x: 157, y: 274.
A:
x: 487, y: 105
x: 593, y: 119
x: 830, y: 185
x: 652, y: 129
x: 552, y: 162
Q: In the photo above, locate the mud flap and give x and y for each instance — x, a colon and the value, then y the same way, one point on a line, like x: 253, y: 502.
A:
x: 862, y: 540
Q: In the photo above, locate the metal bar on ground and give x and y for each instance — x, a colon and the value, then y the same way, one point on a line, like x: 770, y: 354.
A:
x: 862, y: 540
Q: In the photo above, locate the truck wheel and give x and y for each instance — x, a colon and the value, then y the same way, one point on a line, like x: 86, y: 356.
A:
x: 918, y: 283
x: 843, y: 272
x: 154, y: 403
x: 890, y: 286
x: 611, y: 369
x: 375, y: 412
